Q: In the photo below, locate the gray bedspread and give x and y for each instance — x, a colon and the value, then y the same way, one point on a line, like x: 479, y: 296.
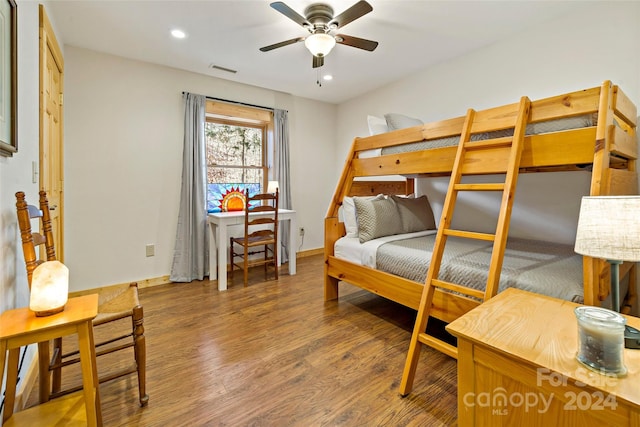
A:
x: 542, y: 267
x: 532, y: 129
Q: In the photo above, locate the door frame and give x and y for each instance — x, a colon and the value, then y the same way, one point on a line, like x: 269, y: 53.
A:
x: 49, y: 43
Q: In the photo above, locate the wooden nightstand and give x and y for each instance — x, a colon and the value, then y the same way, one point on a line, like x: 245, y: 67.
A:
x: 20, y: 327
x: 517, y: 366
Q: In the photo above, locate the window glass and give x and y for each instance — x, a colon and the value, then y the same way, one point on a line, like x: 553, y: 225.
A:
x: 235, y: 162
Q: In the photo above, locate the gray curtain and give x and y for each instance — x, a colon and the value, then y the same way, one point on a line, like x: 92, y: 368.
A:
x: 281, y: 173
x: 191, y: 252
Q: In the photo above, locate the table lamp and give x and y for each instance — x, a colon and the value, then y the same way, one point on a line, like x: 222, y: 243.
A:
x: 49, y: 288
x: 609, y: 228
x: 272, y: 187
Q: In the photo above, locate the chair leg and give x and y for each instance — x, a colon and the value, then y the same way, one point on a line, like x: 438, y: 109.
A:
x: 246, y: 265
x: 231, y: 258
x: 140, y: 352
x: 275, y: 260
x: 266, y: 265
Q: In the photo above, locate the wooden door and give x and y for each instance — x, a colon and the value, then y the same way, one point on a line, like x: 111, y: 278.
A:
x: 51, y: 146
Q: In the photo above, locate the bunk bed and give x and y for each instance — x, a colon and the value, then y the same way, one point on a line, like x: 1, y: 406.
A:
x: 600, y: 138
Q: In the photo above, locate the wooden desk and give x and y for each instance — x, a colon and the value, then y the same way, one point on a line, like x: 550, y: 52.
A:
x: 517, y: 366
x: 21, y: 327
x: 220, y: 221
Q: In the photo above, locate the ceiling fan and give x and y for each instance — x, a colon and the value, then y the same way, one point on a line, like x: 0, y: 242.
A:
x: 318, y: 19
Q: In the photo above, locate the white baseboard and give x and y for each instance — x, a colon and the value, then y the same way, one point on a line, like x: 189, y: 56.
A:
x: 145, y: 283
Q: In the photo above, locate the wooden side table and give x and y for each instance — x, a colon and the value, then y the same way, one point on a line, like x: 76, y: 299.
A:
x: 517, y: 366
x: 20, y: 327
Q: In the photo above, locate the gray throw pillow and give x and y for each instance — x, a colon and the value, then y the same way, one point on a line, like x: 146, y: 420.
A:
x: 416, y: 214
x: 376, y: 218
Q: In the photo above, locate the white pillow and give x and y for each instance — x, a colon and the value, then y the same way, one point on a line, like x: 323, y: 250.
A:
x: 349, y: 217
x: 400, y: 121
x: 377, y: 125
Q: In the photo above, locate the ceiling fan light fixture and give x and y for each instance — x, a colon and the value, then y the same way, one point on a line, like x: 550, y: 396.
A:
x: 320, y: 44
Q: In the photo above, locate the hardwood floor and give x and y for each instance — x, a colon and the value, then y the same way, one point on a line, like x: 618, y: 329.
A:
x: 275, y: 354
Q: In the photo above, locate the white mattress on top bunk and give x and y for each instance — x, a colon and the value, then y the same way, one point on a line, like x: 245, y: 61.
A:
x: 542, y: 267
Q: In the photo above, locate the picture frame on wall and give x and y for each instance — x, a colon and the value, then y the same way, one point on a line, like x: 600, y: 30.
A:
x: 8, y: 77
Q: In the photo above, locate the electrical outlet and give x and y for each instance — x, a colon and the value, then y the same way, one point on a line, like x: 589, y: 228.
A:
x: 302, y: 231
x: 151, y: 250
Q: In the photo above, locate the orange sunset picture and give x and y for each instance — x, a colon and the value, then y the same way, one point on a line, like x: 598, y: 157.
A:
x: 232, y: 200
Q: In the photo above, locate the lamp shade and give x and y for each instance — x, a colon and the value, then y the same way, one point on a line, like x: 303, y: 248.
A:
x: 320, y: 44
x: 272, y: 187
x: 49, y: 288
x: 609, y: 228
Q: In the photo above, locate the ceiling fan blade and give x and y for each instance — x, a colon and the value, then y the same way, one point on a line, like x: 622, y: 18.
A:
x: 354, y: 12
x: 290, y: 13
x: 365, y: 44
x: 281, y: 44
x: 318, y: 61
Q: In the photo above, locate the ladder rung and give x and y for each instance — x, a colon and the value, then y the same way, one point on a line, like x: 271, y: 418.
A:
x: 480, y: 187
x: 439, y: 345
x: 470, y: 234
x: 489, y: 143
x: 458, y: 288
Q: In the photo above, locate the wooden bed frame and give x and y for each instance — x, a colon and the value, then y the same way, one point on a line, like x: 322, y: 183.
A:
x: 610, y: 150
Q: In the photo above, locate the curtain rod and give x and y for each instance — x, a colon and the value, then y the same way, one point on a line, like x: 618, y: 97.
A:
x: 212, y: 98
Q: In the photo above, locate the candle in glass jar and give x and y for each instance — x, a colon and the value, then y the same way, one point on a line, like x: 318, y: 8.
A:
x: 601, y: 339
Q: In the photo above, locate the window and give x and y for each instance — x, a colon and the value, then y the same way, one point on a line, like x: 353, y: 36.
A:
x: 237, y: 154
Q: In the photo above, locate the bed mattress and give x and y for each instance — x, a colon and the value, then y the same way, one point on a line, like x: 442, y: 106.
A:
x: 541, y: 267
x: 532, y: 129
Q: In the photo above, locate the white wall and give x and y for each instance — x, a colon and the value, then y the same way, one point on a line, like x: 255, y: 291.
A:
x: 15, y: 172
x: 312, y: 167
x: 595, y: 43
x: 123, y: 161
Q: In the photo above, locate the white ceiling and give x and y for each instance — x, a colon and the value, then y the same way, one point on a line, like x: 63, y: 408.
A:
x: 412, y: 35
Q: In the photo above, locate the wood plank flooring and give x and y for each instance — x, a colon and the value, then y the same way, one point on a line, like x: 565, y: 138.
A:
x: 275, y: 354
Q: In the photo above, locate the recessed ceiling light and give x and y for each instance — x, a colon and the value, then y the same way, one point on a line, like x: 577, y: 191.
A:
x: 179, y: 34
x: 328, y: 77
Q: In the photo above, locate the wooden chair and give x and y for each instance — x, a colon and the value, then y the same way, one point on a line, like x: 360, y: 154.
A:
x: 114, y: 304
x: 260, y: 233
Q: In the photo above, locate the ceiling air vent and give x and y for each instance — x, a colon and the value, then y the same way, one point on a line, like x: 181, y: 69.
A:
x: 217, y: 67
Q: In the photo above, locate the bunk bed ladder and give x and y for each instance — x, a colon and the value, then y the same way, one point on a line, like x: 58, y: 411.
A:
x: 514, y: 145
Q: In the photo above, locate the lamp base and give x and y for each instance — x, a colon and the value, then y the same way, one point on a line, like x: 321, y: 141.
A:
x: 631, y: 337
x: 44, y: 313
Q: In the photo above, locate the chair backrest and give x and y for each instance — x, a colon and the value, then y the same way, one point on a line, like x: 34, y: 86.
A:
x: 30, y: 239
x: 267, y: 205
